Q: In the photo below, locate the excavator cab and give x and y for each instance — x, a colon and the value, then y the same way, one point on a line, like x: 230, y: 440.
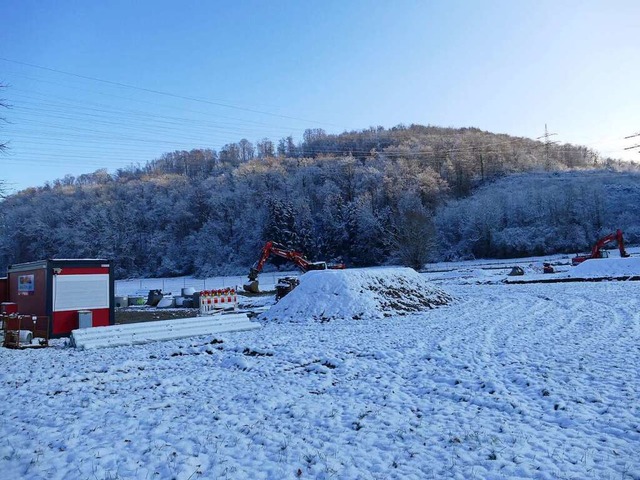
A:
x: 285, y: 285
x: 316, y: 266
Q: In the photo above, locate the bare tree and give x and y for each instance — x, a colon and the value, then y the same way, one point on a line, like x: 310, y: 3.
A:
x: 247, y: 150
x: 265, y: 149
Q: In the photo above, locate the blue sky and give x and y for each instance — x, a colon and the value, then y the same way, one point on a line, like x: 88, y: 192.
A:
x: 272, y: 69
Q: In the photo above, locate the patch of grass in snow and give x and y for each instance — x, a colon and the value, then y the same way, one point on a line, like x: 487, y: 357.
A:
x: 254, y: 353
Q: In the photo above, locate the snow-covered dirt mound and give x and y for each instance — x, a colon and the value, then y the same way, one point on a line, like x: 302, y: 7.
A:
x: 607, y: 267
x: 358, y: 293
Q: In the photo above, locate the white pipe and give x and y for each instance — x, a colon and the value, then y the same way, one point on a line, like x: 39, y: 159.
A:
x: 144, y: 332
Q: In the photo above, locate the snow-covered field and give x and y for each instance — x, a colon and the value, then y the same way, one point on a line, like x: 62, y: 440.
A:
x: 508, y: 381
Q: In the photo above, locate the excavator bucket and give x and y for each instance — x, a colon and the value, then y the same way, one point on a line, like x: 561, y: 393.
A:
x: 251, y: 287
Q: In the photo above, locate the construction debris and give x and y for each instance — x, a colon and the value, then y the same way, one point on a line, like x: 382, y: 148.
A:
x: 24, y: 331
x: 516, y: 271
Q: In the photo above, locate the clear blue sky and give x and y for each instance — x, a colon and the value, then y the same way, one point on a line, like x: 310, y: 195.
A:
x: 274, y: 68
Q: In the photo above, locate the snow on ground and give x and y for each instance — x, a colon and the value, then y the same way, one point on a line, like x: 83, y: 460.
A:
x: 489, y: 271
x: 510, y: 381
x: 358, y: 293
x: 606, y: 267
x: 597, y: 268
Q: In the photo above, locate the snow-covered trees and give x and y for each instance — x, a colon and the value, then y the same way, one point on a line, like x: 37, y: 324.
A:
x: 405, y: 195
x: 532, y: 214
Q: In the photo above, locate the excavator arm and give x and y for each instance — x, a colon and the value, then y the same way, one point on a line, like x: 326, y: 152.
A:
x: 596, y: 251
x: 256, y: 268
x: 272, y: 248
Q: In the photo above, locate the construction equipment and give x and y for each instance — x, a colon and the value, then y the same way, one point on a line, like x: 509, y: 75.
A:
x: 24, y: 331
x: 598, y: 252
x: 272, y: 248
x: 285, y: 285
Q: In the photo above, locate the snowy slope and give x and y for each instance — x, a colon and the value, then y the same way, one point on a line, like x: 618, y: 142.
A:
x: 606, y: 267
x: 509, y: 381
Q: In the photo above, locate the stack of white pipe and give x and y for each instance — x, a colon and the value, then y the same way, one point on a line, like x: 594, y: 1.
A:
x: 145, y: 332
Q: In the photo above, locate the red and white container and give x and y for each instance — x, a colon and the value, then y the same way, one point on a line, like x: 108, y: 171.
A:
x: 61, y: 288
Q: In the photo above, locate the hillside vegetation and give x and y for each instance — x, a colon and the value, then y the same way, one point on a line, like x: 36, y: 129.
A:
x: 402, y: 195
x: 539, y: 213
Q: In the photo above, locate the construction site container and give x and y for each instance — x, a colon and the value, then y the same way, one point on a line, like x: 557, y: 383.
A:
x: 4, y: 289
x: 60, y: 289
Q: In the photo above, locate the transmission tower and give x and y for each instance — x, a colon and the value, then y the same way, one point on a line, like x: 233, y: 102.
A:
x: 547, y: 142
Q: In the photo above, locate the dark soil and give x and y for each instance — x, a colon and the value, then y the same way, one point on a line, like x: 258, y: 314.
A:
x: 136, y: 315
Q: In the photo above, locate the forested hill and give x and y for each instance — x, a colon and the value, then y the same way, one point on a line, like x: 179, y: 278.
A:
x: 400, y: 195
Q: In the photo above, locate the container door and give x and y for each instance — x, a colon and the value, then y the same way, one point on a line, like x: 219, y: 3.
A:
x: 79, y: 292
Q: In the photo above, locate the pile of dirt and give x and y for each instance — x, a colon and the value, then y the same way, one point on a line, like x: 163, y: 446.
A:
x: 358, y: 293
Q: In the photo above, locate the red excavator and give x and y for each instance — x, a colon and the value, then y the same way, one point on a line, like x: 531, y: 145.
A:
x: 597, y: 250
x: 272, y: 248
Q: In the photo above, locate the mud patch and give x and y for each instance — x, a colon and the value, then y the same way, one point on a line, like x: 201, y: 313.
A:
x: 136, y: 315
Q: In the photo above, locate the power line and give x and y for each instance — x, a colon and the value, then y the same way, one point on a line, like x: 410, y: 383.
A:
x: 166, y: 94
x: 85, y: 105
x: 637, y: 145
x: 138, y: 128
x: 451, y: 150
x: 141, y: 121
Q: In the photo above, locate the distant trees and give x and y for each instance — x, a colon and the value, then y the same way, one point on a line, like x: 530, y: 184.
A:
x: 415, y: 235
x: 409, y: 195
x: 230, y: 155
x: 540, y: 213
x: 265, y: 149
x: 246, y: 151
x: 287, y: 147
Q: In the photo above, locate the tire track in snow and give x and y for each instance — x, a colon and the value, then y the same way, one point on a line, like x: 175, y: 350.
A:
x: 403, y: 398
x: 580, y: 355
x: 537, y: 341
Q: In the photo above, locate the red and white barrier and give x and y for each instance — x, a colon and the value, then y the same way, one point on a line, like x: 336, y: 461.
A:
x: 213, y: 301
